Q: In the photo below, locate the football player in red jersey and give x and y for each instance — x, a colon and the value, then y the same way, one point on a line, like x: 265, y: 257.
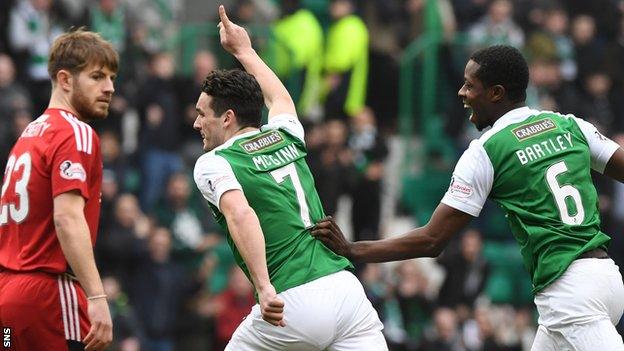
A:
x: 51, y: 294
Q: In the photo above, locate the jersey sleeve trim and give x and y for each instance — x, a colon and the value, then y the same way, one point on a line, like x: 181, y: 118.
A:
x: 288, y: 122
x: 472, y: 181
x: 214, y: 177
x: 601, y: 148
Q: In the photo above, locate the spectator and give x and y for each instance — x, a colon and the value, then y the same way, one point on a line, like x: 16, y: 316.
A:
x: 466, y: 272
x: 552, y: 43
x: 14, y: 101
x: 204, y: 62
x: 299, y: 47
x: 601, y: 105
x: 193, y: 233
x: 32, y: 29
x: 158, y: 290
x: 18, y: 121
x: 331, y: 164
x: 588, y: 50
x: 232, y: 305
x: 415, y: 302
x: 126, y: 326
x: 445, y: 336
x: 118, y: 248
x: 346, y: 61
x: 159, y: 139
x: 497, y: 27
x: 109, y: 19
x: 369, y: 153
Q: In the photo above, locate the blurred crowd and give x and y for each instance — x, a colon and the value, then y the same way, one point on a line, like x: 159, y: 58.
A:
x: 168, y: 273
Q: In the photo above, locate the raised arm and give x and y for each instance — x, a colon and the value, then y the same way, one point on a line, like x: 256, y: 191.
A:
x: 426, y: 241
x: 235, y: 40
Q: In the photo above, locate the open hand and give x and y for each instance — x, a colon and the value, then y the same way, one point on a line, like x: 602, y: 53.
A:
x: 234, y: 38
x: 327, y: 231
x: 271, y: 306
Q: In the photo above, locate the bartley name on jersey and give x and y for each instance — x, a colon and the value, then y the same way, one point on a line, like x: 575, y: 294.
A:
x: 547, y: 147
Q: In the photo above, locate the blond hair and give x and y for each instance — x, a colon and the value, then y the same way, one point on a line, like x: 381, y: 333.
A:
x: 78, y: 49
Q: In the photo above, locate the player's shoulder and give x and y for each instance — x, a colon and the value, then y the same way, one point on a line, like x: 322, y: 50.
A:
x: 288, y: 122
x: 65, y: 125
x: 208, y: 162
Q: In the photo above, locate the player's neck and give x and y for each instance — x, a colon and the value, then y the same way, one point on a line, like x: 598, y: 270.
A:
x: 243, y: 130
x: 506, y: 108
x: 61, y: 101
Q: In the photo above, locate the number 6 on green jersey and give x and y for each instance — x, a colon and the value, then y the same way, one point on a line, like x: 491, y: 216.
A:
x: 562, y: 192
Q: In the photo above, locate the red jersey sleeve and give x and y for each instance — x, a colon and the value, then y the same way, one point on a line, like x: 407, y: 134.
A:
x: 72, y: 156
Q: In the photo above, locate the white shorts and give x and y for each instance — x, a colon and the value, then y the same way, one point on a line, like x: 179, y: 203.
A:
x: 330, y: 313
x: 580, y: 309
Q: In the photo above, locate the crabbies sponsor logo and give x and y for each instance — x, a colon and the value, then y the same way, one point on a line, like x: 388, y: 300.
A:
x: 262, y: 141
x: 532, y: 129
x: 458, y: 189
x: 73, y: 171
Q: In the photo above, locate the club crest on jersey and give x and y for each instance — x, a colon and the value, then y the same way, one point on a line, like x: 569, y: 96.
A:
x: 73, y: 171
x: 532, y: 129
x: 262, y: 141
x: 459, y: 190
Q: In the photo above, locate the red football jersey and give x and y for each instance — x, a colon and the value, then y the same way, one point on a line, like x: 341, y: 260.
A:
x: 55, y: 154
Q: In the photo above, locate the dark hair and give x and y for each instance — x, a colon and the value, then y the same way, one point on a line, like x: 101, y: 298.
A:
x: 238, y: 91
x: 76, y: 50
x: 503, y: 65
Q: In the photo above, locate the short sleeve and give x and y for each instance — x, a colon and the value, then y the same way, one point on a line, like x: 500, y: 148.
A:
x: 71, y: 165
x: 288, y: 122
x: 214, y: 177
x: 601, y: 148
x: 472, y: 181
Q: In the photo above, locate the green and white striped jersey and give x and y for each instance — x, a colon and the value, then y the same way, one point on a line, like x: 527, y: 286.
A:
x: 269, y: 167
x: 536, y: 165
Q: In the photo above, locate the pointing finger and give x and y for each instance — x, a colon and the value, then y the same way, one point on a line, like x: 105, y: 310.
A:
x: 223, y: 16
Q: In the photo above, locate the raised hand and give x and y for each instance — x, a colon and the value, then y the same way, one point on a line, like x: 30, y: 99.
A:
x: 327, y: 231
x: 271, y: 306
x: 234, y: 38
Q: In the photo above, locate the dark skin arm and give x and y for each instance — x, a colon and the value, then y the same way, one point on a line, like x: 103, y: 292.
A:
x: 615, y: 166
x: 425, y: 241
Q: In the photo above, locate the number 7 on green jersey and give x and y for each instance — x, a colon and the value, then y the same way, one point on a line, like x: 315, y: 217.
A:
x: 289, y: 170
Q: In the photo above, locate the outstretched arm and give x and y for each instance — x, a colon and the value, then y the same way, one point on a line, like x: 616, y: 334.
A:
x: 235, y: 40
x: 426, y: 241
x: 615, y: 166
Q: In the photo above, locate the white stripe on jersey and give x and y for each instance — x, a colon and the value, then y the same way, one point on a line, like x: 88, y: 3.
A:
x: 63, y: 307
x: 82, y: 132
x: 90, y: 143
x: 75, y: 308
x: 76, y: 131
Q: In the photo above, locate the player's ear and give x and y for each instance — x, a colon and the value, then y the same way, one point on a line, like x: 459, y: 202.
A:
x: 496, y: 92
x: 64, y: 79
x: 229, y: 117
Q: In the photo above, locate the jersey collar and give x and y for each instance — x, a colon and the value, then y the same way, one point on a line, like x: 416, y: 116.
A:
x: 516, y: 115
x: 231, y: 140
